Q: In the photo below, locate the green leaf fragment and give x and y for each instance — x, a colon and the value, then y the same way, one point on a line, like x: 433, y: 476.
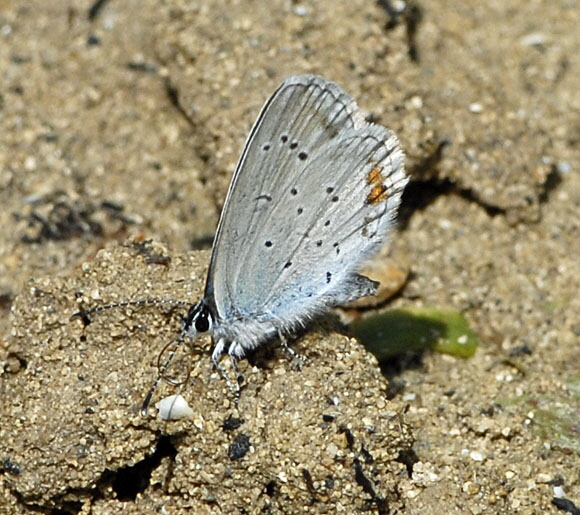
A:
x: 394, y: 332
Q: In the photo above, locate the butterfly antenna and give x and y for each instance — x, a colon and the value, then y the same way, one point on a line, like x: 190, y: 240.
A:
x: 84, y: 314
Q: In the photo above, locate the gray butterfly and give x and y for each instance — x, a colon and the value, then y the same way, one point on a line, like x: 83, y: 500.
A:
x: 314, y: 195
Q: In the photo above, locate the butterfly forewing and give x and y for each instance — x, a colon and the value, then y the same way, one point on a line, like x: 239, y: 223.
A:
x: 313, y: 194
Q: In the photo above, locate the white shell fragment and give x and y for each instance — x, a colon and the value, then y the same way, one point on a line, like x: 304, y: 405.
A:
x: 174, y: 407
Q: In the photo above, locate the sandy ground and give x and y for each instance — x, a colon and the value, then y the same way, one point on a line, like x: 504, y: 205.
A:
x: 123, y: 124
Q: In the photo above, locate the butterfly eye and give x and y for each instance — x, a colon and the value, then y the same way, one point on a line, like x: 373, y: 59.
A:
x: 198, y: 320
x: 203, y: 321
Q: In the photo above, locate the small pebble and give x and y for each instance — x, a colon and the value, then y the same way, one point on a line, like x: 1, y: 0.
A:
x: 476, y: 456
x: 174, y: 407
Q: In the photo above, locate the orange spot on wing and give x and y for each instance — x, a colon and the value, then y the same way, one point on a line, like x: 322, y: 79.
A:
x: 377, y: 194
x: 378, y: 191
x: 375, y: 176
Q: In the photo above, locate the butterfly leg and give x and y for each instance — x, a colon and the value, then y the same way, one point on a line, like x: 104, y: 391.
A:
x: 291, y: 353
x: 236, y: 351
x: 218, y: 351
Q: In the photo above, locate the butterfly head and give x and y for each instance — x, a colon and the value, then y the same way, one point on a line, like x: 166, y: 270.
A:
x: 199, y: 320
